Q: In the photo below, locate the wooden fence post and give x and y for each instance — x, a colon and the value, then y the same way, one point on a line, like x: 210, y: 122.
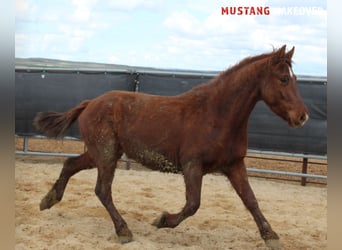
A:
x: 304, y: 170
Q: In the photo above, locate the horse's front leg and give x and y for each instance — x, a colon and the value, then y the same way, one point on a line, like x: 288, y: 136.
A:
x: 237, y: 175
x: 193, y: 183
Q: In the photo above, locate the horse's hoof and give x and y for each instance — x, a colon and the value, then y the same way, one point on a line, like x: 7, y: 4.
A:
x: 49, y: 200
x: 125, y: 235
x: 273, y: 243
x: 125, y: 239
x: 160, y: 221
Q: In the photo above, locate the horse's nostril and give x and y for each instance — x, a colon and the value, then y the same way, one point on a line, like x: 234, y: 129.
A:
x: 303, y: 118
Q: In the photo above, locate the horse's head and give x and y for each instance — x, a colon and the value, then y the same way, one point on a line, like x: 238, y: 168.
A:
x: 279, y: 89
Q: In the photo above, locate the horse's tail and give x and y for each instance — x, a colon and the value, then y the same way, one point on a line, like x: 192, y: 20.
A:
x: 54, y: 124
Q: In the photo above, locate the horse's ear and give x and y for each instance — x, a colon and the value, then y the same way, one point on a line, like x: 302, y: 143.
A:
x: 280, y: 53
x: 290, y: 53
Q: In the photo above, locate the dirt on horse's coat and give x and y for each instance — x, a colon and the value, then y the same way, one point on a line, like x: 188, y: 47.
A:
x: 200, y: 131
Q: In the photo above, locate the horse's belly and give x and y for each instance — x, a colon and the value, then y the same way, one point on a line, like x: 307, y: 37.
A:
x: 152, y: 159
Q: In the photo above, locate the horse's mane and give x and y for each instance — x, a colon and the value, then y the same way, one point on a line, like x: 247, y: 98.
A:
x: 234, y: 68
x: 249, y: 60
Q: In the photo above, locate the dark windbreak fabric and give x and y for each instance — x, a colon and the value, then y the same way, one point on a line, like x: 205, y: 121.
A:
x: 58, y: 90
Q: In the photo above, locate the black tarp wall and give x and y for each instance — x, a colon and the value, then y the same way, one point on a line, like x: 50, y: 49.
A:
x: 44, y: 90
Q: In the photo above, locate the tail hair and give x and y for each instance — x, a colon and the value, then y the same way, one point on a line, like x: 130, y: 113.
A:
x: 54, y: 124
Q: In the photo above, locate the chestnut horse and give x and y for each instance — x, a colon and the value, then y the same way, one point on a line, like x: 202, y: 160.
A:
x: 200, y: 131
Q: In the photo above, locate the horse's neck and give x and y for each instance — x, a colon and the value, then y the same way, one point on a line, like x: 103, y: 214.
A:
x: 235, y: 97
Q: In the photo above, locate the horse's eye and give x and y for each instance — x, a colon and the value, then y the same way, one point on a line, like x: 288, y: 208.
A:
x: 284, y: 79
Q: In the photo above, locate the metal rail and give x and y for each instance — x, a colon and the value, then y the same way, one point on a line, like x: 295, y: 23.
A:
x: 25, y: 151
x: 34, y: 153
x: 267, y: 171
x: 112, y: 68
x: 319, y: 157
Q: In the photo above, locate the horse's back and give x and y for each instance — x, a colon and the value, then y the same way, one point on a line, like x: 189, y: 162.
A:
x: 137, y: 122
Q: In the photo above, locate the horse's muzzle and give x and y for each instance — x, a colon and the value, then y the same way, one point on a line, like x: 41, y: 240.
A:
x: 299, y: 121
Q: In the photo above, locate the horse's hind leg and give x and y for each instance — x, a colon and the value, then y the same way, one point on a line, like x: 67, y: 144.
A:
x: 237, y: 175
x: 106, y: 169
x: 71, y: 166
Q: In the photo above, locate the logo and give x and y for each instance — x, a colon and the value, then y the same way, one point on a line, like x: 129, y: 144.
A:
x: 245, y: 10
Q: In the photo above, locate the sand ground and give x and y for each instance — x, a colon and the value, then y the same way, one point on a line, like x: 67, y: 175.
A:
x: 298, y: 214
